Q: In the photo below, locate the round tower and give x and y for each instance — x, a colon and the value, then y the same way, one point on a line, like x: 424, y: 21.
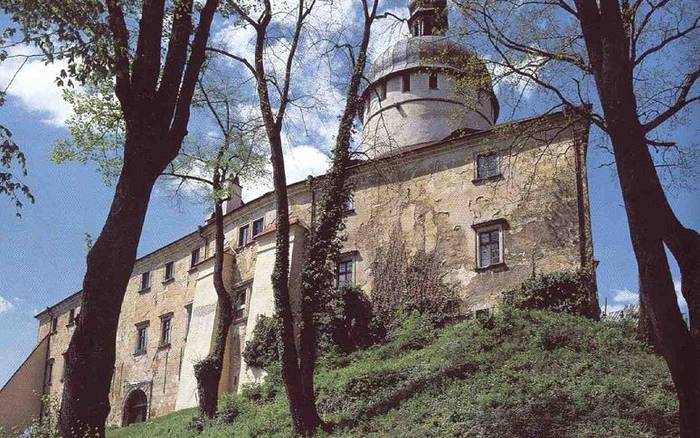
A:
x: 425, y: 88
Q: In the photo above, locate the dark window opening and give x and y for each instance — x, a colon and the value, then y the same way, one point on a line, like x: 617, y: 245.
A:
x: 382, y: 91
x: 49, y: 371
x: 71, y: 316
x: 145, y: 280
x: 166, y: 325
x: 406, y: 82
x: 433, y: 81
x: 194, y: 258
x: 487, y: 166
x: 243, y: 235
x: 188, y: 309
x: 242, y: 295
x: 169, y: 268
x: 54, y: 325
x: 141, y: 338
x: 258, y: 226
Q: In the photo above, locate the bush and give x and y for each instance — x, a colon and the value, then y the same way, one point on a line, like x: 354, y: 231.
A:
x: 416, y: 331
x: 404, y: 284
x: 345, y: 323
x: 262, y: 349
x: 561, y: 292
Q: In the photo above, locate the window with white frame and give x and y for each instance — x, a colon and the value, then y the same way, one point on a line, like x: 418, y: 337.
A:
x: 487, y: 166
x: 489, y: 244
x: 345, y: 272
x: 243, y: 235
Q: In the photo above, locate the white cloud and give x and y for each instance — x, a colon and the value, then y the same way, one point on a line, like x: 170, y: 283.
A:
x: 625, y: 296
x: 679, y: 296
x: 299, y: 162
x: 5, y: 305
x: 34, y: 86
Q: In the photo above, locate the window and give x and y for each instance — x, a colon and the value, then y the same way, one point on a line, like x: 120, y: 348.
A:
x: 54, y: 324
x: 243, y: 235
x: 433, y: 81
x: 188, y: 309
x: 382, y: 91
x: 71, y: 317
x: 49, y: 371
x: 487, y: 166
x: 145, y: 280
x: 166, y: 327
x: 258, y: 226
x: 344, y: 272
x: 242, y: 296
x: 169, y: 269
x: 194, y: 258
x: 65, y: 366
x: 141, y: 337
x: 406, y: 82
x: 349, y: 204
x: 489, y: 242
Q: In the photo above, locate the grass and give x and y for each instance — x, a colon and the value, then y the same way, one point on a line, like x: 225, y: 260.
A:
x: 518, y: 374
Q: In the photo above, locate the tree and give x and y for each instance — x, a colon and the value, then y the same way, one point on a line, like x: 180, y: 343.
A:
x: 154, y: 93
x: 236, y: 156
x: 620, y: 50
x: 324, y: 241
x: 305, y: 418
x: 10, y: 153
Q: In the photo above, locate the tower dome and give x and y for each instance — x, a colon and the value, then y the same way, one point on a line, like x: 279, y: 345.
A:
x: 425, y: 88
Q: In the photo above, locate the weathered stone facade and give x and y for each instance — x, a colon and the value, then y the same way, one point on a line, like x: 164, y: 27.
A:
x: 430, y: 194
x: 497, y: 203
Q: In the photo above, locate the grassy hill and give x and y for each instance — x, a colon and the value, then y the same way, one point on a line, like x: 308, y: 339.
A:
x: 517, y: 374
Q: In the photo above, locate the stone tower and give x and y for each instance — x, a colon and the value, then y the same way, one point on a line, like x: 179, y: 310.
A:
x: 425, y: 88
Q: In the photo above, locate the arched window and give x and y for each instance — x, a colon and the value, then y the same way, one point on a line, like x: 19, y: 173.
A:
x: 135, y: 407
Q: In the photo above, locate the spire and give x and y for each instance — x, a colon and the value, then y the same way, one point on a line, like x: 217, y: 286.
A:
x: 428, y: 17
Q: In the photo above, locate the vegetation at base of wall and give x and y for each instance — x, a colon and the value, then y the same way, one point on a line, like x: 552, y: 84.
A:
x: 261, y: 350
x: 404, y: 283
x: 567, y: 292
x: 516, y: 373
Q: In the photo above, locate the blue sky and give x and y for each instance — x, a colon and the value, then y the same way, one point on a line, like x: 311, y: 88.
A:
x: 42, y: 255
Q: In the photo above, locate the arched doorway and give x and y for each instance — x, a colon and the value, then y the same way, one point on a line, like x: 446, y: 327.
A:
x: 135, y: 407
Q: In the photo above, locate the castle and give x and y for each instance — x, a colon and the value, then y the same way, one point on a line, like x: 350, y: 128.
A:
x: 497, y: 201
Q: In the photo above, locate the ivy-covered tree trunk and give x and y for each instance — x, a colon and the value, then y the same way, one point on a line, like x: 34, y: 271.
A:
x: 324, y: 244
x: 208, y: 370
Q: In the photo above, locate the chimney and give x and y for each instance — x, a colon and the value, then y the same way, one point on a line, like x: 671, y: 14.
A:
x: 235, y: 200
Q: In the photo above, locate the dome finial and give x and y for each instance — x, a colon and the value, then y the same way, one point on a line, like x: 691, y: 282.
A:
x: 428, y: 17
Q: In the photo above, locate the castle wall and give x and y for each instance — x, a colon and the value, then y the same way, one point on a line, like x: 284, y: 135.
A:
x: 429, y: 196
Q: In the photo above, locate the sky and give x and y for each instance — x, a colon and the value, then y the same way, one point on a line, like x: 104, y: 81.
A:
x: 42, y: 254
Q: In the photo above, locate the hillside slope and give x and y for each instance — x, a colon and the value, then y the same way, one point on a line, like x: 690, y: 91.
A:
x: 518, y: 374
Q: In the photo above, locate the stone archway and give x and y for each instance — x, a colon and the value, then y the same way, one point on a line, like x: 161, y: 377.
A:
x: 135, y: 407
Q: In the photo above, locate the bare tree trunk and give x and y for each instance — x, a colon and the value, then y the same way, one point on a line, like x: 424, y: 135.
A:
x: 91, y: 352
x: 156, y: 117
x: 648, y: 212
x: 208, y: 370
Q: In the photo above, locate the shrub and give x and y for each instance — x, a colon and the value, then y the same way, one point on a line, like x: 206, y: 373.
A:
x: 344, y: 323
x: 416, y: 331
x: 567, y: 292
x: 262, y: 349
x: 405, y: 283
